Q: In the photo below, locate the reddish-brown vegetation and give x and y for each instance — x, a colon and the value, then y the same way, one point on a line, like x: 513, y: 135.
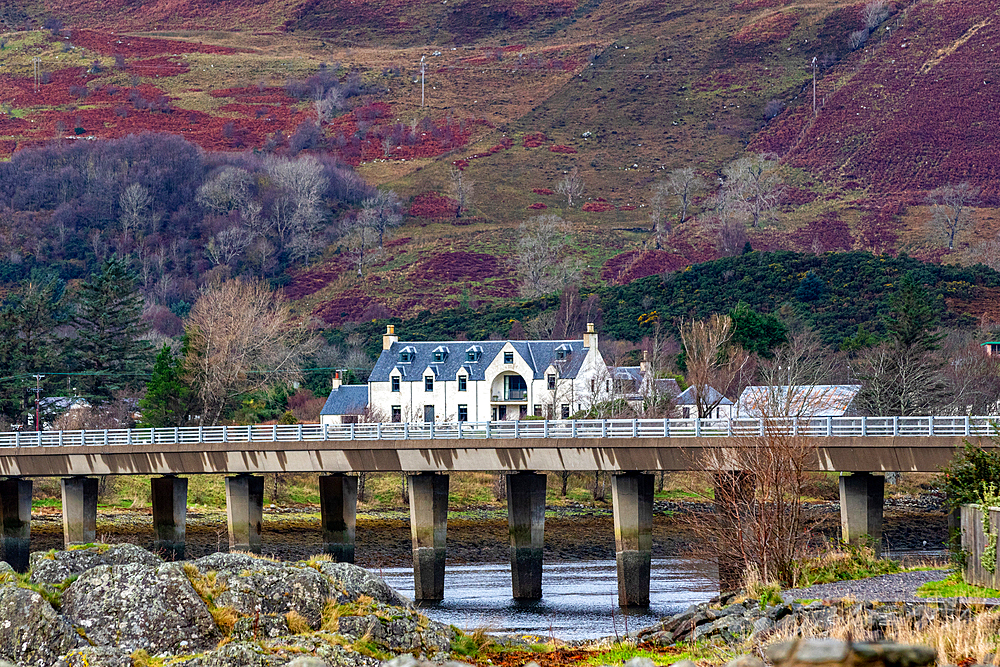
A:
x: 460, y: 266
x: 110, y: 44
x: 543, y: 191
x: 433, y: 205
x: 562, y: 149
x: 772, y: 28
x: 824, y: 234
x: 537, y: 206
x: 597, y: 207
x: 534, y: 140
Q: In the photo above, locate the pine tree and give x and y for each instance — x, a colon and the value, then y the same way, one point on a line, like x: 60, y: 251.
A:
x: 913, y: 317
x: 110, y: 350
x: 167, y: 397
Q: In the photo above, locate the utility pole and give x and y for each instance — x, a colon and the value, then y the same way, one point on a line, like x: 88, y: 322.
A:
x: 814, y: 85
x: 38, y: 77
x: 423, y: 71
x: 38, y: 393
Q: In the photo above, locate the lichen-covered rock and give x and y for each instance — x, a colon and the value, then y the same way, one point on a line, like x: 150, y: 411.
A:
x: 351, y: 582
x: 320, y: 647
x: 276, y: 590
x: 399, y: 632
x: 407, y: 660
x: 239, y: 654
x: 834, y: 652
x: 32, y: 634
x: 96, y: 656
x: 256, y: 627
x: 54, y: 567
x: 225, y: 563
x: 138, y: 606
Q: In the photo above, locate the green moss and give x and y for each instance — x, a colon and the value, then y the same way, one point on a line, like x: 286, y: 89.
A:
x: 621, y: 653
x: 954, y: 587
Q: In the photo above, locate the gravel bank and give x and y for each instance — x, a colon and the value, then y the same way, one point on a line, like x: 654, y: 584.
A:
x: 901, y: 587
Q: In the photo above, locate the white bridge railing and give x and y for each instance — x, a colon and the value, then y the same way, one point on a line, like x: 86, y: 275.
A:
x: 813, y: 427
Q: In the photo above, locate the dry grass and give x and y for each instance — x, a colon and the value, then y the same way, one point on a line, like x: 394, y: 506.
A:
x: 297, y: 623
x: 225, y: 618
x: 206, y: 585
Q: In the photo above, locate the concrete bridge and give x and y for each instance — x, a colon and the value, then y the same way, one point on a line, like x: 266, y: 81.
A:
x: 630, y: 449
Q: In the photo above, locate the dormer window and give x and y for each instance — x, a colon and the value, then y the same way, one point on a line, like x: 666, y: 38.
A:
x: 407, y: 355
x: 472, y: 353
x: 440, y: 354
x: 563, y: 351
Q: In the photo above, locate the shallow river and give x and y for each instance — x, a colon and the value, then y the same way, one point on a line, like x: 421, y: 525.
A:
x: 580, y: 598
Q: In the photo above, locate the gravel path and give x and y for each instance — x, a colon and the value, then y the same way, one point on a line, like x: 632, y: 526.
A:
x: 901, y: 587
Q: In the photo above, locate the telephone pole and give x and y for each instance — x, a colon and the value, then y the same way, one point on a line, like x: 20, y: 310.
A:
x: 38, y: 393
x: 423, y: 71
x: 38, y: 76
x: 814, y: 85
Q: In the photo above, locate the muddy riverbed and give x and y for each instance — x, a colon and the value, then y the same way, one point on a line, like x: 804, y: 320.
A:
x: 478, y: 535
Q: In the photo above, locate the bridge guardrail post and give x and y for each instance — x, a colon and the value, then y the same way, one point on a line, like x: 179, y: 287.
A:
x: 604, y: 428
x: 60, y: 438
x: 697, y: 427
x: 432, y: 430
x: 201, y: 433
x: 105, y: 437
x: 930, y: 426
x: 459, y: 430
x: 760, y: 425
x: 795, y: 427
x: 573, y: 428
x: 968, y: 427
x: 864, y: 427
x: 666, y: 427
x: 895, y: 426
x: 128, y: 437
x: 249, y: 433
x: 274, y: 432
x: 829, y: 427
x: 489, y: 431
x: 729, y: 427
x: 225, y: 433
x: 177, y: 435
x: 352, y: 430
x: 17, y: 438
x: 635, y: 428
x: 378, y: 430
x: 545, y: 429
x: 406, y: 430
x: 517, y: 429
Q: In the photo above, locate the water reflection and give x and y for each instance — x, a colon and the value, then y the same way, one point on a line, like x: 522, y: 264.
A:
x: 581, y: 598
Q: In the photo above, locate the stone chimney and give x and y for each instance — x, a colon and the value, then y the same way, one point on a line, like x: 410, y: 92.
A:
x: 389, y: 337
x: 337, y: 381
x: 644, y: 364
x: 590, y: 338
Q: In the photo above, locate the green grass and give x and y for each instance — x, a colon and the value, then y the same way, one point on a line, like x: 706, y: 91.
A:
x: 846, y: 563
x: 621, y: 653
x: 954, y: 587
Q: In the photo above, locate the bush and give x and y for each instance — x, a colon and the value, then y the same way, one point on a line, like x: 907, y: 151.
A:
x: 969, y: 473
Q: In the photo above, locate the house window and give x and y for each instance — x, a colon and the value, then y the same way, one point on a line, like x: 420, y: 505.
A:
x: 593, y: 385
x: 397, y: 413
x: 428, y: 383
x: 686, y: 413
x: 552, y: 381
x: 406, y: 356
x: 607, y: 385
x: 395, y: 384
x: 462, y: 383
x: 438, y: 356
x: 537, y: 411
x: 560, y: 354
x: 508, y: 357
x: 565, y: 410
x: 463, y: 413
x: 472, y: 354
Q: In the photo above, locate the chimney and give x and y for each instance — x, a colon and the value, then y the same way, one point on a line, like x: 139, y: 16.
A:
x: 644, y: 364
x: 389, y: 337
x: 336, y: 380
x: 590, y: 338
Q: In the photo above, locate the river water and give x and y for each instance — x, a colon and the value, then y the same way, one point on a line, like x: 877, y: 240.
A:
x: 580, y: 598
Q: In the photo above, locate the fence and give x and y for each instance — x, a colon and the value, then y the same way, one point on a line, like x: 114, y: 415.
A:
x: 812, y: 427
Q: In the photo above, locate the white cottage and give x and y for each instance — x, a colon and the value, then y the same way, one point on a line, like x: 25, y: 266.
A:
x: 487, y: 380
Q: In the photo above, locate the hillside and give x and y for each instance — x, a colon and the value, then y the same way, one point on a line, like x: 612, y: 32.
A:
x: 518, y: 93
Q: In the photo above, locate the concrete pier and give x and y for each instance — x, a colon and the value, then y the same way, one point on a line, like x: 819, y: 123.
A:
x: 15, y: 508
x: 169, y: 516
x: 526, y: 519
x: 734, y: 495
x: 338, y: 502
x: 862, y: 495
x: 632, y: 498
x: 79, y: 499
x: 245, y: 510
x: 429, y: 529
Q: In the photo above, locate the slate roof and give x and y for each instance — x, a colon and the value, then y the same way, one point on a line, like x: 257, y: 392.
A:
x: 690, y: 397
x: 538, y: 354
x: 348, y: 399
x: 630, y: 378
x: 817, y: 400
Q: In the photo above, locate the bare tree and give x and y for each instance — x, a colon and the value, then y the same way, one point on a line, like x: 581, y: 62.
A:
x: 360, y: 239
x: 681, y: 185
x: 241, y: 339
x: 571, y: 186
x: 951, y: 208
x: 899, y: 380
x: 328, y: 105
x: 382, y: 212
x: 228, y: 244
x: 715, y: 365
x: 302, y: 185
x: 989, y: 253
x: 134, y: 206
x: 972, y: 377
x: 874, y: 13
x: 541, y: 256
x: 461, y: 190
x: 797, y: 377
x: 752, y: 187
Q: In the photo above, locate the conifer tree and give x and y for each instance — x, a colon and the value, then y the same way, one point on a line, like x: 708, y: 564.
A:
x: 167, y: 398
x: 110, y: 350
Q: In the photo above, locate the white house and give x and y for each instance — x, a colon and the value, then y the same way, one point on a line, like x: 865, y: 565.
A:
x: 346, y: 403
x: 687, y: 404
x: 487, y: 380
x: 814, y: 400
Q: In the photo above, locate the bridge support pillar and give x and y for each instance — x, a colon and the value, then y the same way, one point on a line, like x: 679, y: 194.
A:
x: 734, y: 494
x: 862, y: 495
x: 338, y: 502
x: 429, y: 529
x: 15, y: 507
x: 79, y: 499
x: 526, y: 518
x: 169, y: 516
x: 632, y: 500
x: 245, y: 510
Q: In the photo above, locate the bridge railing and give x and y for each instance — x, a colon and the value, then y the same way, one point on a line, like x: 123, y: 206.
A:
x: 813, y: 427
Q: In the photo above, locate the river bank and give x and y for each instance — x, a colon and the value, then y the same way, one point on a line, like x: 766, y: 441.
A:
x: 480, y: 534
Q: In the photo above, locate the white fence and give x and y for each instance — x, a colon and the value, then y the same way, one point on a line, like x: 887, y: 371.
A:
x: 815, y: 427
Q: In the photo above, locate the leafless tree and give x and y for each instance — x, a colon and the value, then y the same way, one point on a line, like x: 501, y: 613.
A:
x: 899, y: 380
x: 360, y: 239
x: 731, y: 238
x: 680, y: 186
x: 328, y: 105
x: 541, y: 256
x: 302, y: 184
x: 461, y: 190
x: 388, y: 143
x: 241, y: 339
x: 382, y: 212
x: 752, y: 187
x: 228, y: 190
x: 989, y: 253
x: 972, y: 377
x: 571, y: 186
x: 875, y: 12
x: 858, y: 38
x: 715, y: 365
x: 228, y: 244
x: 134, y: 206
x: 794, y: 375
x: 951, y: 208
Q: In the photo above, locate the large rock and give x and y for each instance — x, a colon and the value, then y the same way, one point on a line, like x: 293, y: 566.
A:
x: 351, y: 582
x: 54, y: 567
x: 408, y: 632
x: 96, y: 656
x: 32, y: 634
x: 139, y: 606
x: 276, y: 591
x: 229, y: 564
x: 834, y: 652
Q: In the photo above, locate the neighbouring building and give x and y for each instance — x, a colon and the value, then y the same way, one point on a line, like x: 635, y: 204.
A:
x: 346, y: 403
x: 487, y: 380
x: 992, y: 348
x: 687, y: 404
x: 814, y: 400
